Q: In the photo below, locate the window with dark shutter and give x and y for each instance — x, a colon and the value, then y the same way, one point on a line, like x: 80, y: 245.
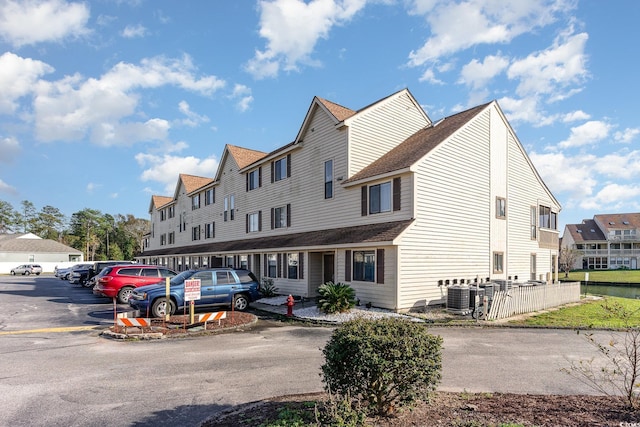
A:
x: 288, y: 215
x: 364, y: 205
x: 347, y: 264
x: 396, y: 194
x: 288, y: 165
x: 380, y: 266
x: 246, y: 223
x: 273, y: 172
x: 259, y: 220
x: 266, y: 266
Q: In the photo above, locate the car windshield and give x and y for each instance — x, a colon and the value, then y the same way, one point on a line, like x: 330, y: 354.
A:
x: 180, y: 278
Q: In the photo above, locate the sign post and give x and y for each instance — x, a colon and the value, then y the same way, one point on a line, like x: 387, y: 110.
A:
x: 192, y: 292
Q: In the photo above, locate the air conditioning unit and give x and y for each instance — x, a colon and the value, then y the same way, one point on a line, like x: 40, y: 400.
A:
x: 480, y: 292
x: 458, y: 299
x: 504, y: 285
x: 489, y: 289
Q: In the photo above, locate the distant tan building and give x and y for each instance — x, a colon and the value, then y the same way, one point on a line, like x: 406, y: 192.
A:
x: 381, y: 198
x: 28, y: 248
x: 610, y: 241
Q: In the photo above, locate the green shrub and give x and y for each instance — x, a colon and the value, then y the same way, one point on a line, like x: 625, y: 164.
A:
x: 336, y: 298
x: 268, y: 289
x: 384, y: 364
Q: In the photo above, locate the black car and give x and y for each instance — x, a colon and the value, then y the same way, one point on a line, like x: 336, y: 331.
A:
x: 89, y: 280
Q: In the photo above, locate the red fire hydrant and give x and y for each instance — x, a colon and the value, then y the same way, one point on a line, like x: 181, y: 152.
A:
x: 289, y: 306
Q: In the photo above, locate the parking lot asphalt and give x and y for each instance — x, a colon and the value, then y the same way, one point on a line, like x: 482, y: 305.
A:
x: 54, y: 374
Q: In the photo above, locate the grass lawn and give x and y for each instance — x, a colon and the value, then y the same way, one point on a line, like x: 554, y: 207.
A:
x: 608, y: 312
x: 613, y: 276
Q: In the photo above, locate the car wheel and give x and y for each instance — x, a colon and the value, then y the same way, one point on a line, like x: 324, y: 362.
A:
x: 13, y: 273
x: 240, y: 302
x: 27, y: 272
x: 124, y: 294
x: 37, y: 274
x: 159, y: 307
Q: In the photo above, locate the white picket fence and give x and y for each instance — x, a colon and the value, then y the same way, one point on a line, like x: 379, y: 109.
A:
x: 526, y: 299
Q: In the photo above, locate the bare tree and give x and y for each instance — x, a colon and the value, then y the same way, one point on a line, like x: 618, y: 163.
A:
x: 567, y: 260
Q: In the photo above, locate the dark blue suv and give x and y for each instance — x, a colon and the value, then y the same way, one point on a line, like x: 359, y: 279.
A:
x: 218, y: 287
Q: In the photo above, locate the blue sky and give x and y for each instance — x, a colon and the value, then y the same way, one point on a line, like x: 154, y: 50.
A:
x: 103, y: 103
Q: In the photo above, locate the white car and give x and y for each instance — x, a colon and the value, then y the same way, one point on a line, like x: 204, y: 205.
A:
x: 27, y: 269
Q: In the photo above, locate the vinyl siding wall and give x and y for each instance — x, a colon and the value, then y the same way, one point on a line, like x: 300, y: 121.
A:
x: 450, y: 237
x: 376, y: 131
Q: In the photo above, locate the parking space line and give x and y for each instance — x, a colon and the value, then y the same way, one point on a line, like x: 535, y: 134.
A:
x: 61, y: 329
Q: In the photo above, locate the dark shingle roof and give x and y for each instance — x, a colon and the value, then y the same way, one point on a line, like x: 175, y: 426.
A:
x: 417, y: 145
x: 370, y: 233
x: 587, y: 231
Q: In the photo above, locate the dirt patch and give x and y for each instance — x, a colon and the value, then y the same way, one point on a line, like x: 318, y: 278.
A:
x: 180, y: 325
x: 458, y: 409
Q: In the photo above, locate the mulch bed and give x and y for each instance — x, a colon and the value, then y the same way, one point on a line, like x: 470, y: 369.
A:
x: 180, y: 325
x: 457, y: 409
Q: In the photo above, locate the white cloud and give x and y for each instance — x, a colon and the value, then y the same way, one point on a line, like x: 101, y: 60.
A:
x: 476, y: 74
x: 588, y: 133
x: 74, y: 107
x: 553, y: 69
x: 18, y: 77
x: 626, y: 136
x: 6, y: 188
x: 622, y: 165
x: 460, y: 25
x: 165, y: 169
x: 134, y: 31
x: 613, y: 197
x: 9, y: 149
x: 192, y: 119
x: 292, y: 28
x: 430, y: 77
x: 575, y: 116
x: 242, y: 94
x: 564, y: 174
x: 27, y: 22
x: 91, y: 187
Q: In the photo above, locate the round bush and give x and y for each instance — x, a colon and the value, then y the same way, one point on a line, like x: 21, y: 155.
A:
x: 382, y: 364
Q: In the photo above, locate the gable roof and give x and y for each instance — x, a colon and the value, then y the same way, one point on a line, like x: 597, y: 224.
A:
x: 192, y: 183
x: 338, y: 111
x: 417, y: 145
x: 588, y: 230
x: 244, y: 156
x: 33, y: 244
x: 623, y: 221
x: 159, y: 201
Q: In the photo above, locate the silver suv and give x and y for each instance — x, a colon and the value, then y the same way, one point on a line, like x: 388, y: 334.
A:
x: 27, y: 269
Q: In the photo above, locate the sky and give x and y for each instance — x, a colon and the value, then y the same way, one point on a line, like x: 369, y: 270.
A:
x: 103, y: 103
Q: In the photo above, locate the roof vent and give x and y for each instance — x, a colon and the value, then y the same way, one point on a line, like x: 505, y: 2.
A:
x: 625, y: 222
x: 579, y: 231
x: 593, y: 231
x: 612, y: 223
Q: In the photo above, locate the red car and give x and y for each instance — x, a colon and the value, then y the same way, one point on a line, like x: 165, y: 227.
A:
x: 118, y: 281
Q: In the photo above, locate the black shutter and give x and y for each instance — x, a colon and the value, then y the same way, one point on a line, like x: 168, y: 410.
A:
x: 273, y: 171
x: 265, y: 267
x: 213, y: 230
x: 247, y: 186
x: 289, y: 215
x: 246, y: 225
x: 396, y: 194
x: 285, y: 266
x: 347, y: 266
x: 249, y: 262
x: 260, y: 176
x: 213, y: 196
x: 259, y: 220
x: 273, y: 214
x: 301, y: 265
x: 380, y: 266
x: 288, y: 165
x: 364, y: 208
x: 279, y: 264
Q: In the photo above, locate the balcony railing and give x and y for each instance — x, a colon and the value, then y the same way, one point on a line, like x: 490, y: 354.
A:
x: 625, y: 237
x: 612, y: 252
